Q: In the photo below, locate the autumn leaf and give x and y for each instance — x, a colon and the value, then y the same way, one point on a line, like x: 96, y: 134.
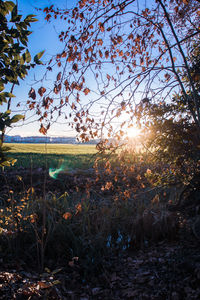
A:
x: 123, y: 105
x: 106, y: 53
x: 75, y: 67
x: 67, y: 215
x: 78, y: 208
x: 108, y: 185
x: 100, y: 42
x: 41, y: 91
x: 33, y: 218
x: 148, y: 172
x: 59, y: 76
x: 101, y: 27
x: 32, y: 94
x: 32, y: 105
x: 100, y: 54
x: 43, y: 285
x: 42, y: 129
x: 86, y: 91
x: 167, y: 76
x: 119, y: 39
x: 57, y: 89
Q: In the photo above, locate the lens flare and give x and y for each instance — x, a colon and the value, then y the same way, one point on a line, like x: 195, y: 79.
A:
x: 54, y: 172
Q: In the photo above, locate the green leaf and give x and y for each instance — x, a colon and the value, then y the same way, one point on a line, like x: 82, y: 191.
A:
x: 37, y: 57
x: 37, y: 61
x: 16, y: 118
x: 7, y: 112
x: 1, y: 86
x: 6, y: 94
x: 23, y: 40
x: 30, y: 18
x: 27, y: 56
x: 14, y: 14
x: 9, y: 5
x: 22, y: 59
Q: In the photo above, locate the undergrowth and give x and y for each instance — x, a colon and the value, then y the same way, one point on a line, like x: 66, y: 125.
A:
x: 80, y: 231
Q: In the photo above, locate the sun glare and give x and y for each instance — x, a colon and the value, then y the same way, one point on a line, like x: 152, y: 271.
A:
x: 133, y: 132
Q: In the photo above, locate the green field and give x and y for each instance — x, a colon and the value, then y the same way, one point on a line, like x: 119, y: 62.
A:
x: 69, y: 156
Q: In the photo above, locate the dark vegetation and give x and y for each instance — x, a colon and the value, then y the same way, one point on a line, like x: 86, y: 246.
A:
x: 96, y: 241
x: 128, y: 228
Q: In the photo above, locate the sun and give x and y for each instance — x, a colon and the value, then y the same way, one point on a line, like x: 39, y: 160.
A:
x: 133, y: 132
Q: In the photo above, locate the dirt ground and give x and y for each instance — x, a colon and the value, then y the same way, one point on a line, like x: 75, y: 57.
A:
x: 162, y: 271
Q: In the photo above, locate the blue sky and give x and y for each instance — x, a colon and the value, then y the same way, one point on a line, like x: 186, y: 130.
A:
x: 44, y: 37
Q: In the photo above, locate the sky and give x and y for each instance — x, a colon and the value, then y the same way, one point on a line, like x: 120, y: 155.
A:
x: 44, y: 37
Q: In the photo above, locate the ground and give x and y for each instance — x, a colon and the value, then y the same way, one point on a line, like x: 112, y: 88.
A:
x: 161, y: 270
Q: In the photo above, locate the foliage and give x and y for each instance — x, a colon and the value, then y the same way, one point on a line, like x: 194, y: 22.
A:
x: 15, y: 62
x: 79, y: 230
x: 173, y: 136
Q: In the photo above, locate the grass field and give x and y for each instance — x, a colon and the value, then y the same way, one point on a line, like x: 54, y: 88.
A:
x: 69, y: 156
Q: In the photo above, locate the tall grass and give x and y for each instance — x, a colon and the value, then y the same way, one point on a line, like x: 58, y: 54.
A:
x: 75, y: 226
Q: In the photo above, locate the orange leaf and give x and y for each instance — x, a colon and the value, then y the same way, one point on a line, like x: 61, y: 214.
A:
x: 100, y: 42
x: 78, y: 208
x: 43, y: 130
x: 43, y: 285
x: 58, y: 76
x: 41, y: 91
x: 67, y: 215
x: 86, y: 91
